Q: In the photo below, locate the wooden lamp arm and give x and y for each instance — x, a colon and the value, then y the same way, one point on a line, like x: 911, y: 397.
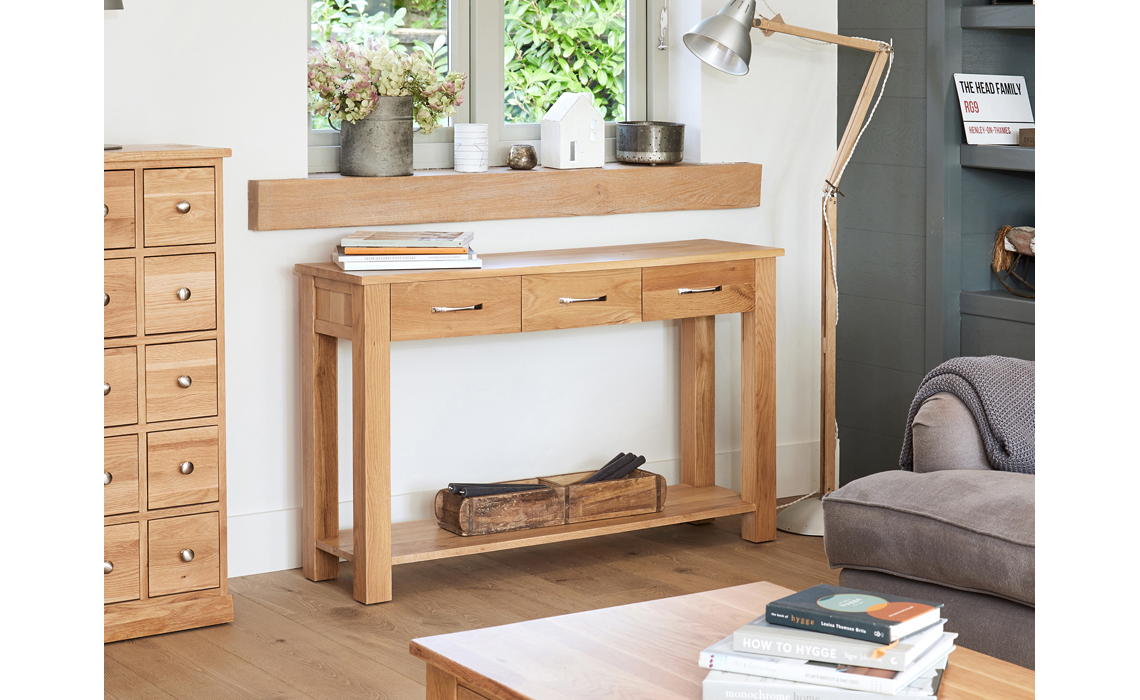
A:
x: 772, y: 26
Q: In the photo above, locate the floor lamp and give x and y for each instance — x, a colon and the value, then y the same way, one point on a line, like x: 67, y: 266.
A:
x: 723, y: 42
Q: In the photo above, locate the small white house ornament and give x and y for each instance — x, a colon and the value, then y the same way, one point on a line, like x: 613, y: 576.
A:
x: 573, y: 133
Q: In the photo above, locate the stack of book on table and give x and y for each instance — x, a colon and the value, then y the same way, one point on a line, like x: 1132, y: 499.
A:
x: 832, y: 643
x: 406, y: 250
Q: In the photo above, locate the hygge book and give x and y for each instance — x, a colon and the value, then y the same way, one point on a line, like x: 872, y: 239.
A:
x: 466, y: 262
x: 721, y: 657
x: 762, y: 637
x: 719, y: 685
x: 406, y: 239
x: 848, y: 612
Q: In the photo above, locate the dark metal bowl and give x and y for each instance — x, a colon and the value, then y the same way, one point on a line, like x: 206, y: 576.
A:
x: 650, y: 142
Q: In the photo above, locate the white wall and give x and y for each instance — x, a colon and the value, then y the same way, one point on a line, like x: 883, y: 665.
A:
x: 224, y: 73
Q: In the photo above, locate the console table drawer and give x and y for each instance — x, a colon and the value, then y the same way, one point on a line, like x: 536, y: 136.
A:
x: 120, y: 387
x: 120, y: 474
x: 181, y: 380
x: 119, y: 209
x: 182, y: 554
x: 700, y: 289
x: 120, y: 562
x: 178, y: 206
x: 180, y: 293
x: 444, y: 309
x: 577, y: 299
x: 182, y: 467
x: 118, y: 297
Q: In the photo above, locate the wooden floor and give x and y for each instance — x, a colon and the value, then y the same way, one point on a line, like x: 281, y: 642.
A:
x: 292, y: 638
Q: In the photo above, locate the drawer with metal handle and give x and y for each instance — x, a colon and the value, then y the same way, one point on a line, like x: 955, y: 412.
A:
x: 178, y: 206
x: 180, y: 293
x: 120, y: 474
x: 118, y: 209
x: 699, y: 289
x: 181, y: 380
x: 120, y: 562
x: 182, y: 467
x: 577, y: 299
x: 120, y: 387
x: 182, y: 554
x: 448, y: 309
x: 119, y: 298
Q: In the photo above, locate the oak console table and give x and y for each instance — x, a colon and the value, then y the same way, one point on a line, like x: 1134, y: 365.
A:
x: 517, y: 292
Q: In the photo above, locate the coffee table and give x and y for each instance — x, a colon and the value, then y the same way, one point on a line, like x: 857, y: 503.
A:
x: 643, y: 650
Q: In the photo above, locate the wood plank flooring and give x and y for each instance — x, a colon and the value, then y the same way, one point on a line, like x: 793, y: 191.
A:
x: 292, y: 638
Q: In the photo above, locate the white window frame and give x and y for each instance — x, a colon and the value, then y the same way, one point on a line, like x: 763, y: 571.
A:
x: 478, y: 52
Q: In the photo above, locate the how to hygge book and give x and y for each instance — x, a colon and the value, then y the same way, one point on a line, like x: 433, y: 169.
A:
x: 721, y: 685
x: 847, y: 612
x: 762, y: 637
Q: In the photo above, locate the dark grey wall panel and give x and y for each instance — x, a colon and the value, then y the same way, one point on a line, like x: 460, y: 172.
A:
x: 897, y: 136
x: 908, y: 74
x: 878, y: 265
x: 888, y: 14
x: 862, y: 453
x: 1001, y: 52
x: 875, y: 399
x: 881, y: 333
x: 993, y: 198
x: 993, y: 336
x: 887, y: 198
x: 977, y: 253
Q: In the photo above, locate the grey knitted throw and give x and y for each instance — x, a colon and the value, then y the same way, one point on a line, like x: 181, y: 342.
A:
x: 999, y: 391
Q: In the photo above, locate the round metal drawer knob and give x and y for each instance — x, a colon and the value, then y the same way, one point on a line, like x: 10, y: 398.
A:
x: 105, y: 211
x: 107, y: 478
x: 186, y: 467
x: 184, y: 381
x: 106, y: 298
x: 183, y: 207
x: 106, y: 388
x: 108, y: 567
x: 186, y: 555
x: 183, y: 294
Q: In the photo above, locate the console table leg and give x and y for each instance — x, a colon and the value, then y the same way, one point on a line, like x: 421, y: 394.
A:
x: 371, y: 451
x: 758, y: 407
x: 698, y: 401
x: 441, y: 685
x: 318, y: 440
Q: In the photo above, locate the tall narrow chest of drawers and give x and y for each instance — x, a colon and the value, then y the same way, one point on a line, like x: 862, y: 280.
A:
x: 164, y: 446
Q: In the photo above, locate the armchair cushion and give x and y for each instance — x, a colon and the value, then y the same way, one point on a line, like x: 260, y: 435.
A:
x: 969, y: 530
x: 946, y: 436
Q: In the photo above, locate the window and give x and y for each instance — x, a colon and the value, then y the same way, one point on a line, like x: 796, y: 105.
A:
x: 519, y: 55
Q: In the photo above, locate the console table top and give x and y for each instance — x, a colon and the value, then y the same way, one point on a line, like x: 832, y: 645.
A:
x: 567, y: 260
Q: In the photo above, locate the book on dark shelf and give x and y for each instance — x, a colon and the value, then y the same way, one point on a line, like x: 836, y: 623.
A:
x: 847, y: 612
x: 762, y: 637
x: 343, y: 256
x: 407, y: 239
x: 464, y: 262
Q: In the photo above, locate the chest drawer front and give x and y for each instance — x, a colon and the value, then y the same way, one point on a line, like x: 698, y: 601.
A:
x: 119, y: 298
x: 120, y: 474
x: 119, y: 209
x: 120, y: 387
x: 498, y: 303
x: 120, y: 562
x: 182, y: 554
x: 182, y: 467
x: 700, y: 289
x: 180, y: 293
x: 577, y: 299
x: 178, y: 206
x: 181, y: 380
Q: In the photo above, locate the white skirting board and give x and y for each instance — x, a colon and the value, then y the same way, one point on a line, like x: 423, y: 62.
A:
x: 263, y: 542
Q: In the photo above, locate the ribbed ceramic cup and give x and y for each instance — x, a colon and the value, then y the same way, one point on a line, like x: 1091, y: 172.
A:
x: 472, y: 148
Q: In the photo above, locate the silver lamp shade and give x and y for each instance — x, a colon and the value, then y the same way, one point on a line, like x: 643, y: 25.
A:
x: 112, y: 4
x: 722, y: 40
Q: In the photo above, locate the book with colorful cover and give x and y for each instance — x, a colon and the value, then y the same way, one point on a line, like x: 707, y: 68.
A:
x: 721, y: 685
x: 424, y: 250
x: 466, y: 262
x: 721, y: 657
x: 407, y: 239
x: 847, y: 612
x: 762, y: 637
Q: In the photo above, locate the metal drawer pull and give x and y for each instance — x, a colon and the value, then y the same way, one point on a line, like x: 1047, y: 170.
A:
x: 572, y: 300
x: 106, y: 388
x: 685, y: 290
x: 446, y: 309
x: 184, y: 381
x: 186, y: 467
x: 108, y: 567
x: 105, y: 211
x: 107, y: 478
x: 183, y: 207
x: 183, y: 294
x: 186, y: 555
x: 106, y: 298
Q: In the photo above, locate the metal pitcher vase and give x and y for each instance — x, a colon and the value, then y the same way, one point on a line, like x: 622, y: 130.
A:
x: 379, y: 145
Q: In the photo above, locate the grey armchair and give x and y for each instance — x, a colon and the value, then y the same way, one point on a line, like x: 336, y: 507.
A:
x: 953, y: 531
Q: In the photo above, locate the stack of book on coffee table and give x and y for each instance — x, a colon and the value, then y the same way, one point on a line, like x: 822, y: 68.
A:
x: 406, y: 250
x: 832, y: 643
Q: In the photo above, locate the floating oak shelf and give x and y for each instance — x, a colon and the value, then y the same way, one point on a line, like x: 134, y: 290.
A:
x: 444, y: 196
x: 999, y: 158
x: 422, y: 540
x: 998, y: 303
x: 999, y: 17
